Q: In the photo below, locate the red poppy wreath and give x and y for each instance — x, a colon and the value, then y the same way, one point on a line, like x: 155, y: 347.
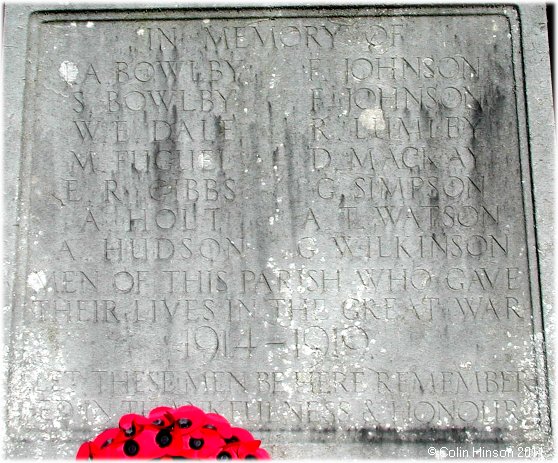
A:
x: 168, y: 433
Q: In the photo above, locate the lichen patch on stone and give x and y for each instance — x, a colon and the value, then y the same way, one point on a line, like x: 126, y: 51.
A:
x: 372, y: 119
x: 68, y: 71
x: 37, y: 280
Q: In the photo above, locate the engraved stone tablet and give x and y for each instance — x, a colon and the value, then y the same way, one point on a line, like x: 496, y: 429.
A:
x: 319, y: 223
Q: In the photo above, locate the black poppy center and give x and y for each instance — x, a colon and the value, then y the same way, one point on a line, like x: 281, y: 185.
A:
x: 184, y: 423
x: 163, y: 438
x: 131, y: 448
x: 196, y: 444
x: 224, y: 456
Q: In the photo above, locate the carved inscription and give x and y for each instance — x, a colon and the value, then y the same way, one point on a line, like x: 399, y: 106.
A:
x: 297, y: 222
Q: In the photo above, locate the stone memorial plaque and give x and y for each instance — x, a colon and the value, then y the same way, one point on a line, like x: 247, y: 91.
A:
x: 319, y: 223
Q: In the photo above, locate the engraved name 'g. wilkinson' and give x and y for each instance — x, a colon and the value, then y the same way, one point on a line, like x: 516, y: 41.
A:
x: 249, y: 36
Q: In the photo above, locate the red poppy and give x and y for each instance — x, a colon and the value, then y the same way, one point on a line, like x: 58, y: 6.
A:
x: 161, y: 416
x: 242, y: 445
x: 244, y: 451
x: 186, y: 432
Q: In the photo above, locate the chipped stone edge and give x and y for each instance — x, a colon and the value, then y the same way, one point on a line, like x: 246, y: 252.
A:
x: 14, y: 45
x: 540, y: 115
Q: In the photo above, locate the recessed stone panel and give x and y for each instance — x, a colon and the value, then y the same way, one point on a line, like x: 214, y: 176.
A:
x: 316, y: 222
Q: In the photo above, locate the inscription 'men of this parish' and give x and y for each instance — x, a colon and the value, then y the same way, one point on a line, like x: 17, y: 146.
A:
x: 302, y: 223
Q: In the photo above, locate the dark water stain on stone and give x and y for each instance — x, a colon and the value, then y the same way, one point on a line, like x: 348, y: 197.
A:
x: 428, y: 434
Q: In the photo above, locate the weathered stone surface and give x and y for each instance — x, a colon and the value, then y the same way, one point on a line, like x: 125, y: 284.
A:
x: 319, y: 223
